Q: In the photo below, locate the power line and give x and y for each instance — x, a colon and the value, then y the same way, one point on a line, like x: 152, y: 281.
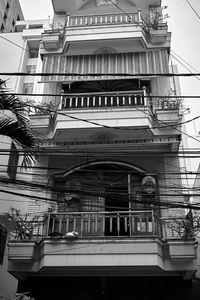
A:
x: 95, y: 93
x: 173, y: 204
x: 101, y: 74
x: 191, y: 73
x: 193, y: 9
x: 118, y: 128
x: 197, y: 71
x: 159, y: 39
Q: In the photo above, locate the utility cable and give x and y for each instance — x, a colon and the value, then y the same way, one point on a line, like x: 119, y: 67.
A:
x: 104, y: 74
x: 194, y: 10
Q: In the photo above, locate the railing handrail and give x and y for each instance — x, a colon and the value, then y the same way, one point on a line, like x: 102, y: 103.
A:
x: 104, y: 19
x: 101, y: 15
x: 115, y: 93
x: 103, y: 212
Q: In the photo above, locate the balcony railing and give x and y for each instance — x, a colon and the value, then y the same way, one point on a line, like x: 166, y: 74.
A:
x: 116, y: 223
x: 94, y: 20
x: 101, y: 224
x: 94, y: 100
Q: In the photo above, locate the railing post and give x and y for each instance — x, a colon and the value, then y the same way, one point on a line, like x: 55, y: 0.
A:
x: 139, y: 16
x: 144, y: 95
x: 164, y: 230
x: 61, y: 104
x: 68, y: 18
x: 153, y: 222
x: 48, y: 223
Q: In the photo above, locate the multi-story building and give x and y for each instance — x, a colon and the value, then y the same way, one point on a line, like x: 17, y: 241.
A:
x: 19, y: 51
x: 10, y: 13
x: 106, y: 177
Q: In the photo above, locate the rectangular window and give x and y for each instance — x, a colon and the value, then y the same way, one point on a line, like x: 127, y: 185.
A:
x: 13, y: 162
x: 28, y: 88
x: 3, y: 236
x: 31, y: 69
x: 7, y: 6
x: 33, y: 53
x: 2, y: 28
x: 35, y: 26
x: 5, y: 17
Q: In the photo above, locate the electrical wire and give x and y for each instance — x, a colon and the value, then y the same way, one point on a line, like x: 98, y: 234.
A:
x: 197, y: 71
x: 102, y: 74
x: 191, y: 73
x: 113, y: 94
x: 173, y: 204
x: 35, y: 185
x: 194, y: 10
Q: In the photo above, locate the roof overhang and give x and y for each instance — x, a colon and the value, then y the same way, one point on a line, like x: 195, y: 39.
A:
x: 60, y: 6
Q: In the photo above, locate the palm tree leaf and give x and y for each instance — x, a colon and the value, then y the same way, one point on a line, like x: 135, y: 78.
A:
x: 18, y: 126
x: 12, y: 103
x: 22, y: 136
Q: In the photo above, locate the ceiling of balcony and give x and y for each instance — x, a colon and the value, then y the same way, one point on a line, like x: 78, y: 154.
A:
x: 85, y: 5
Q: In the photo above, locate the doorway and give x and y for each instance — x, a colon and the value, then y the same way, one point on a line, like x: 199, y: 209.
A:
x: 116, y: 208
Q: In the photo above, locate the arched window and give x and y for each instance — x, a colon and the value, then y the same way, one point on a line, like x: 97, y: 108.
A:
x: 105, y: 50
x: 103, y: 198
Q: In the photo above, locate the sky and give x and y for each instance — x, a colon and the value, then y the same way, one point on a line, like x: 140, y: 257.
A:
x: 185, y: 27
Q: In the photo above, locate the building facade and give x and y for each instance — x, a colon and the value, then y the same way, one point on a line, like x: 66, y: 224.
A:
x: 10, y: 13
x: 18, y: 52
x: 106, y: 177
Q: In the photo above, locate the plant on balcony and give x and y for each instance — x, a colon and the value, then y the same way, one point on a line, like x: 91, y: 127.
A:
x: 56, y: 29
x: 155, y: 18
x: 187, y: 226
x: 167, y: 103
x: 41, y: 108
x: 23, y: 224
x: 23, y: 296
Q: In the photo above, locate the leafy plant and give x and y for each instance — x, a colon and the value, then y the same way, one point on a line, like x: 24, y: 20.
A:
x: 41, y: 107
x: 16, y: 125
x: 23, y: 224
x: 187, y: 226
x: 23, y: 296
x: 156, y: 16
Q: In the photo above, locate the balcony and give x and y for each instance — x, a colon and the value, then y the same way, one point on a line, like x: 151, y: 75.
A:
x: 51, y: 40
x: 168, y: 111
x: 111, y: 109
x: 105, y: 100
x: 101, y: 20
x: 130, y: 27
x: 117, y: 241
x: 96, y: 224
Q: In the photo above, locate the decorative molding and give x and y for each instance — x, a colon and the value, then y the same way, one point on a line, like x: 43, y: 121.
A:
x: 107, y: 142
x: 102, y: 136
x: 105, y: 2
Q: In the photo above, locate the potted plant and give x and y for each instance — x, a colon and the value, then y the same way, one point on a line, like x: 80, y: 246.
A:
x: 53, y: 38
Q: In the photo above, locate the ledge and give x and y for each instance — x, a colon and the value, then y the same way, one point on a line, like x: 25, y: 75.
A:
x: 21, y: 251
x: 182, y: 249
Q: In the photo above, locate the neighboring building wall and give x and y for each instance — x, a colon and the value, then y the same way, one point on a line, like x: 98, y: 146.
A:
x: 10, y: 13
x: 15, y: 57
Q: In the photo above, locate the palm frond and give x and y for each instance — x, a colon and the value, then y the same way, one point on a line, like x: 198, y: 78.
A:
x: 12, y: 103
x: 20, y: 134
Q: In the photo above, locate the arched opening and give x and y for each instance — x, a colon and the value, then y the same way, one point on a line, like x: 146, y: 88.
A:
x: 104, y: 198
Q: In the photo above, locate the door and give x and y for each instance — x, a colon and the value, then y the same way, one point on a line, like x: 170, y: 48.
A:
x: 116, y: 208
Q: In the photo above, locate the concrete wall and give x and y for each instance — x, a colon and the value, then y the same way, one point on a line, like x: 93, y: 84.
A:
x: 13, y: 13
x: 10, y: 56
